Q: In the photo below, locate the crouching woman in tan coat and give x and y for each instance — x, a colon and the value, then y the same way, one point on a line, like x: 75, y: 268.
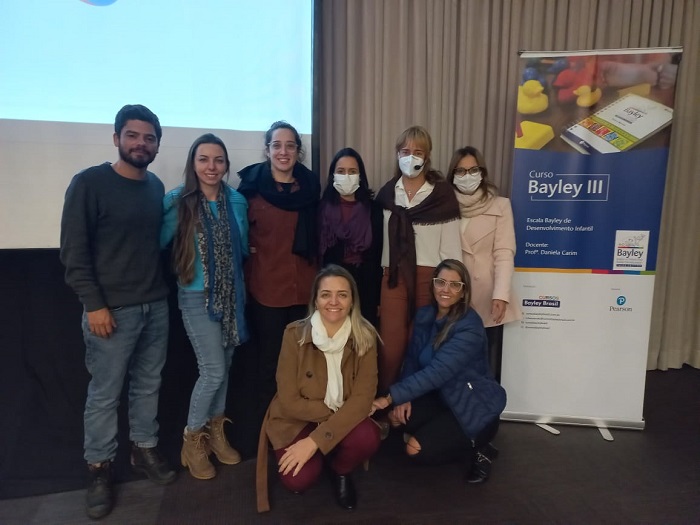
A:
x: 326, y: 382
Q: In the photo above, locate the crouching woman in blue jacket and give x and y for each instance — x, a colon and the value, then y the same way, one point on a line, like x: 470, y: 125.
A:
x: 447, y: 399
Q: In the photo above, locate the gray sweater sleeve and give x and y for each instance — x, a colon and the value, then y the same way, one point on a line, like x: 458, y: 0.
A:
x: 78, y: 224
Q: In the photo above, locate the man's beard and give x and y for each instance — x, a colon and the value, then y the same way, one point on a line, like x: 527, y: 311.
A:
x: 138, y: 159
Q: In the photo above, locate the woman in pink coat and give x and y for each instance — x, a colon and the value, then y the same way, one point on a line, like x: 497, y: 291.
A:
x: 488, y: 246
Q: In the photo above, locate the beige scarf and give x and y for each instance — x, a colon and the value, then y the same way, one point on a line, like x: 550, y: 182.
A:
x: 332, y: 348
x: 474, y: 204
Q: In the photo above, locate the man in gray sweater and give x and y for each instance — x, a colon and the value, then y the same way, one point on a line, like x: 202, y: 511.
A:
x: 110, y: 232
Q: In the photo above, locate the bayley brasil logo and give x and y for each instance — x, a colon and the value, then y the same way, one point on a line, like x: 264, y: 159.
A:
x: 549, y: 302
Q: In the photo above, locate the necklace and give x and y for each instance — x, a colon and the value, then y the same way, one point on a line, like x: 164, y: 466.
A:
x: 416, y: 185
x: 410, y: 193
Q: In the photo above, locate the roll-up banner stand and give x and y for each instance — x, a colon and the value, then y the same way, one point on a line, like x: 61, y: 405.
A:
x: 591, y: 149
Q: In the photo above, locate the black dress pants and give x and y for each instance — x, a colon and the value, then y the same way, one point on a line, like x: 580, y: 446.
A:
x: 267, y: 328
x: 440, y: 435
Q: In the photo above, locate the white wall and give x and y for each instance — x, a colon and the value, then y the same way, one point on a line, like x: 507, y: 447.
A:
x: 38, y: 160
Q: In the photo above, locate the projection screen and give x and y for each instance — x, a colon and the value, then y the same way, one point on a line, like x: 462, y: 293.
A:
x: 231, y: 67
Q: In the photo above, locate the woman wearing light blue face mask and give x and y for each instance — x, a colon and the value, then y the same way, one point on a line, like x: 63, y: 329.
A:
x: 350, y: 224
x: 488, y: 246
x: 421, y: 228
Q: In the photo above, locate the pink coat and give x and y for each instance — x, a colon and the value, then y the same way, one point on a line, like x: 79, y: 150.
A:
x: 488, y: 250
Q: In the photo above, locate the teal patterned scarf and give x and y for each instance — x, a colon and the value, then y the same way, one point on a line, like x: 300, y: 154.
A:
x: 214, y: 241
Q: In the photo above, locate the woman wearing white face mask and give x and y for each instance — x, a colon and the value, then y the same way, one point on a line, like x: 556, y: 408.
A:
x: 488, y: 246
x: 421, y: 228
x: 350, y: 225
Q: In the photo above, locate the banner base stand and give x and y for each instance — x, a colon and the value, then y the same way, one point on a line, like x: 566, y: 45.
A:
x: 549, y: 429
x: 604, y: 432
x: 601, y: 424
x: 607, y: 436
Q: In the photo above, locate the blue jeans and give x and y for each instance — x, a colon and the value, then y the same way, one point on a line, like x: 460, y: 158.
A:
x: 214, y: 361
x: 138, y: 346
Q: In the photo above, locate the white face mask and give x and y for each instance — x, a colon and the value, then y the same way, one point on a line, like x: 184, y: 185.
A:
x: 346, y: 184
x: 411, y: 166
x: 468, y: 183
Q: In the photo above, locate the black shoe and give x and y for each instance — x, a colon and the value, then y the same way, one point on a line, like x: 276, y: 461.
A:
x: 99, y: 500
x: 481, y: 465
x: 148, y: 461
x: 345, y: 493
x: 384, y: 429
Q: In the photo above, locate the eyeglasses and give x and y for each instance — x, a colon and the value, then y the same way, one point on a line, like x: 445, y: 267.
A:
x: 461, y: 172
x: 441, y: 284
x: 287, y: 146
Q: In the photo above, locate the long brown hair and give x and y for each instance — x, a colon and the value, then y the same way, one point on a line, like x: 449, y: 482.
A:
x: 490, y: 189
x: 187, y: 214
x: 420, y: 136
x: 458, y: 309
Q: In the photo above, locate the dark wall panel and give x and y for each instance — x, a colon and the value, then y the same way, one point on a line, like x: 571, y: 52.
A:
x: 43, y: 382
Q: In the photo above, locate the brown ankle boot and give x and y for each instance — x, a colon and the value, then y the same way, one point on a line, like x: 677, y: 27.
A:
x: 195, y: 454
x: 219, y: 444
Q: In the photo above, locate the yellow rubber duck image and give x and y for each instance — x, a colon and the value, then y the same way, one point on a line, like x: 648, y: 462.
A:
x: 531, y: 98
x: 586, y: 96
x: 532, y: 135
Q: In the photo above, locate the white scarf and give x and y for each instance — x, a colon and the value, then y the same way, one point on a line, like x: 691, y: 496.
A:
x: 332, y: 348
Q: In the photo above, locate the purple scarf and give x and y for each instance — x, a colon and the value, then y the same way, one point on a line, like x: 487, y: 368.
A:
x: 356, y: 233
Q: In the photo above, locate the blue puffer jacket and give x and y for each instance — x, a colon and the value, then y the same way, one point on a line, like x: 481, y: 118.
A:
x: 458, y: 369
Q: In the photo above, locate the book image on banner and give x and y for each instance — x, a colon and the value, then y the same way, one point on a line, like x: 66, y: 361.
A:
x: 631, y: 249
x: 619, y: 126
x: 575, y: 102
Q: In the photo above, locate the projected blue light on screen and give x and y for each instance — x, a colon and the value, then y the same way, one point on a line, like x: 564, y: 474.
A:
x: 229, y: 64
x: 99, y: 2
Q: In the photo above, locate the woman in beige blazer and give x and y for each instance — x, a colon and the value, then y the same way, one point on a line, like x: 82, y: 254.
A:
x: 488, y: 246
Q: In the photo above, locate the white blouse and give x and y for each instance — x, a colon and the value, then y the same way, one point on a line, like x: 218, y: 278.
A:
x: 434, y: 242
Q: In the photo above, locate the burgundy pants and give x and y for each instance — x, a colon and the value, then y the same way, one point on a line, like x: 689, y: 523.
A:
x: 357, y: 447
x: 394, y: 324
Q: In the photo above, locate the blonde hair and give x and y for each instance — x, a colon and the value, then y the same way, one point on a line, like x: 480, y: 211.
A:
x: 364, y: 335
x: 421, y: 138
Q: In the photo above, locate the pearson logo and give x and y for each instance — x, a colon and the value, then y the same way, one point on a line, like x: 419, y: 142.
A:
x: 620, y: 302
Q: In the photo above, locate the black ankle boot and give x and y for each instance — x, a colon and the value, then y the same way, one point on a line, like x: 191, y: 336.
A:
x: 150, y: 462
x: 99, y: 500
x: 345, y: 493
x: 481, y: 464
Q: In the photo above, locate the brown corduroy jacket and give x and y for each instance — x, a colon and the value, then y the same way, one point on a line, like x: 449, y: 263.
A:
x: 301, y: 387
